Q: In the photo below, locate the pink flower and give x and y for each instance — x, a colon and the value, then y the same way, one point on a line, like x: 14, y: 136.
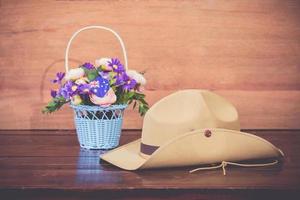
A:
x: 105, y: 101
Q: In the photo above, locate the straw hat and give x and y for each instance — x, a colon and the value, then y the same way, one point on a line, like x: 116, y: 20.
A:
x: 190, y: 127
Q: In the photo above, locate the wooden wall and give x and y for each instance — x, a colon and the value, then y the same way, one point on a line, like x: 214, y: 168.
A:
x: 246, y: 50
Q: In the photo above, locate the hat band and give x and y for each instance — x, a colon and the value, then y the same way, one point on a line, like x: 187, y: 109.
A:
x: 148, y: 149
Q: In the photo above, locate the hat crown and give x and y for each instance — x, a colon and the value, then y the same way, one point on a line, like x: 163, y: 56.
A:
x: 185, y: 111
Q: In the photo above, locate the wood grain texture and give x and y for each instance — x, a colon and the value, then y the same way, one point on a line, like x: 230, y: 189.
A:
x: 248, y: 51
x: 58, y: 168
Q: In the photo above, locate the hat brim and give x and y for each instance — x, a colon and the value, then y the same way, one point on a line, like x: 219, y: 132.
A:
x: 126, y: 156
x: 195, y: 148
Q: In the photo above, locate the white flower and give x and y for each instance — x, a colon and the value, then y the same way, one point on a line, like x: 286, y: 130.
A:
x: 136, y: 76
x: 102, y: 61
x: 74, y: 74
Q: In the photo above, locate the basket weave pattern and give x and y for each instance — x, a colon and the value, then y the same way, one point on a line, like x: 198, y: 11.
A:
x: 98, y: 127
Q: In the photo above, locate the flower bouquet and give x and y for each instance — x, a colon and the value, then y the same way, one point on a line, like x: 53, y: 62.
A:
x: 105, y: 84
x: 98, y: 94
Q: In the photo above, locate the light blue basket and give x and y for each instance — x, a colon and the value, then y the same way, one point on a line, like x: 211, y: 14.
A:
x: 98, y: 127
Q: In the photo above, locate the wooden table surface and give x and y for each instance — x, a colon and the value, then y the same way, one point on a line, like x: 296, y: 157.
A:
x: 50, y: 164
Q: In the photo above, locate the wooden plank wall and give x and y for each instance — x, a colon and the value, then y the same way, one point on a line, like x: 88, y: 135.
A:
x: 246, y: 50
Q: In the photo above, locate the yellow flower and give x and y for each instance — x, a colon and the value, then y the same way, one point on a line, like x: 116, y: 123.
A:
x: 76, y: 100
x: 74, y: 88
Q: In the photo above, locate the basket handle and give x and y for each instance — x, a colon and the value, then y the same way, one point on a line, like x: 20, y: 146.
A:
x: 94, y: 27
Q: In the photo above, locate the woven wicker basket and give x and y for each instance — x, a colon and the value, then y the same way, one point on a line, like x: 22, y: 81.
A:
x: 97, y: 127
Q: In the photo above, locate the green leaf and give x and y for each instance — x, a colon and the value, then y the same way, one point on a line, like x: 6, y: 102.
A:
x: 54, y: 104
x: 130, y: 95
x: 143, y: 101
x: 112, y: 81
x: 134, y: 105
x: 127, y: 97
x: 143, y: 109
x: 91, y: 74
x: 139, y: 95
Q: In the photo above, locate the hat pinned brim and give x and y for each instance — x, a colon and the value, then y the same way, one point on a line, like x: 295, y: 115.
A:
x: 195, y: 148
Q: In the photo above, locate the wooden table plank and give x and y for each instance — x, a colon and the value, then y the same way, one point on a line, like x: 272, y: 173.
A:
x: 51, y: 161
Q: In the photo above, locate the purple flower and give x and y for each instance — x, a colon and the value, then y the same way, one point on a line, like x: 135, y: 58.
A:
x: 121, y: 78
x: 53, y: 93
x: 68, y: 90
x: 88, y: 66
x: 125, y: 81
x: 129, y: 85
x: 83, y: 88
x: 59, y: 77
x: 63, y: 93
x: 116, y: 65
